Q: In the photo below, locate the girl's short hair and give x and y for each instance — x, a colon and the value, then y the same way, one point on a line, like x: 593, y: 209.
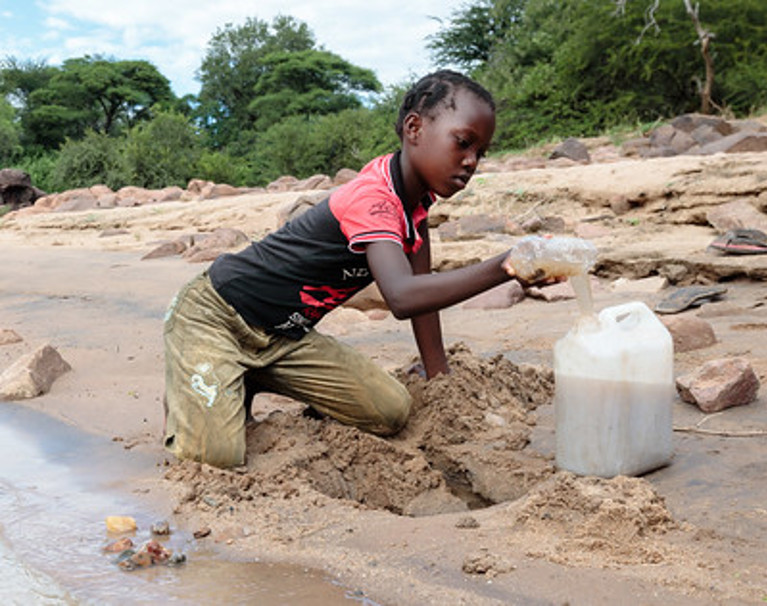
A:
x: 426, y: 94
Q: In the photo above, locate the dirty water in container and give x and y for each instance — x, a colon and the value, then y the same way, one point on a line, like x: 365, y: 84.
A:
x: 57, y: 486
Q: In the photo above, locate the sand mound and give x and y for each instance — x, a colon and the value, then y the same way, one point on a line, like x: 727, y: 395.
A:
x: 616, y: 521
x: 466, y: 430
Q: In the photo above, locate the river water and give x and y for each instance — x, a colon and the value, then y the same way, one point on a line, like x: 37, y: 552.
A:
x: 57, y: 486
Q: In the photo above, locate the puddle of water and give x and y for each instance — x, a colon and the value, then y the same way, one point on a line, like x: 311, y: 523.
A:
x: 58, y: 485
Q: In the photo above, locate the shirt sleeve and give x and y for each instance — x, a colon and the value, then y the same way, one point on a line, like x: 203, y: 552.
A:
x: 367, y: 215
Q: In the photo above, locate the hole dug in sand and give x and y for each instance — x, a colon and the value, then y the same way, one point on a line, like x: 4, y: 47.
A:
x: 464, y: 447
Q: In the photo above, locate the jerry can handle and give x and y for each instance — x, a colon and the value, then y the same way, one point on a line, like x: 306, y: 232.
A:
x: 625, y: 317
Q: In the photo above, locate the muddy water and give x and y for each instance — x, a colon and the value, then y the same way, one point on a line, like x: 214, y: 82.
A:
x: 57, y: 486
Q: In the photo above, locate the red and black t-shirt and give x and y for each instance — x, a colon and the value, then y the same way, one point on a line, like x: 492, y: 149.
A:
x: 286, y: 282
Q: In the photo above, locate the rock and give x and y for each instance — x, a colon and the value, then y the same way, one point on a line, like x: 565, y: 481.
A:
x: 314, y: 182
x: 634, y: 147
x: 746, y: 141
x: 209, y: 246
x: 369, y: 298
x: 32, y: 374
x: 652, y: 284
x: 719, y: 384
x: 8, y: 337
x: 16, y: 189
x: 662, y: 136
x: 120, y: 524
x: 285, y: 183
x: 166, y: 249
x: 556, y: 292
x: 682, y: 141
x: 196, y: 186
x: 738, y: 214
x: 572, y: 149
x: 501, y: 297
x: 689, y: 123
x: 218, y: 190
x: 74, y: 199
x: 119, y: 545
x: 344, y: 176
x: 471, y: 227
x: 300, y: 205
x: 689, y: 332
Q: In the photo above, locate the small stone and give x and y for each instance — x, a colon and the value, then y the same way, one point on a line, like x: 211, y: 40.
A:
x: 118, y: 546
x: 201, y: 533
x: 120, y: 524
x: 467, y: 522
x: 161, y: 528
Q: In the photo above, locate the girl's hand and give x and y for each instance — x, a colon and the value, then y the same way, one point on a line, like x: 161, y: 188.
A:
x: 538, y: 278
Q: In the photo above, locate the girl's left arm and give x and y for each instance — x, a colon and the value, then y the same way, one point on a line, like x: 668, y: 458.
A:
x: 427, y: 329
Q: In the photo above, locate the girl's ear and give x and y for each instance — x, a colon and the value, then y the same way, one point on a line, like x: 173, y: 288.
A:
x: 411, y: 127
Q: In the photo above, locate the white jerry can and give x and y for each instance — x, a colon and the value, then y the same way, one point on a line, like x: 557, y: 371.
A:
x: 614, y: 391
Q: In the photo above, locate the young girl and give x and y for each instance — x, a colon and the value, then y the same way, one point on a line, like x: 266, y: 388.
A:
x: 250, y: 316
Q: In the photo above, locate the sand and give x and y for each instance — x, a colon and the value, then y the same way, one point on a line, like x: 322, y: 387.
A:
x: 465, y: 505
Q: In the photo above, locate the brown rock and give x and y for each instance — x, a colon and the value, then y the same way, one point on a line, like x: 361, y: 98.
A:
x: 367, y: 299
x: 572, y: 149
x: 344, y: 176
x: 32, y: 374
x: 285, y: 183
x: 502, y: 296
x: 166, y: 249
x: 221, y: 239
x: 719, y: 384
x: 314, y: 182
x: 300, y: 205
x: 737, y: 214
x: 689, y: 332
x: 8, y: 337
x: 471, y: 227
x: 745, y: 141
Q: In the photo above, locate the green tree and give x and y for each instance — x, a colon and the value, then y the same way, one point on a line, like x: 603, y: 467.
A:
x: 308, y: 82
x: 92, y: 93
x: 307, y: 145
x: 10, y: 149
x: 19, y: 79
x: 233, y: 65
x: 473, y: 32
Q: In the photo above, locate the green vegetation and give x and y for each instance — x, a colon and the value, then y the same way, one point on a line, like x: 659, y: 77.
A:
x: 274, y: 102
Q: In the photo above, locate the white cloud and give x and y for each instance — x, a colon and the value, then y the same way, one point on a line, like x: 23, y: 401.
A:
x: 387, y: 36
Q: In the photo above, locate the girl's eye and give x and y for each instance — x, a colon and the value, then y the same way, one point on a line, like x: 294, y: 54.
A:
x: 462, y: 143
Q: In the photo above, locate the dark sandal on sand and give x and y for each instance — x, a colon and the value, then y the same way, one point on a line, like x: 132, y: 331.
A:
x: 689, y: 296
x: 741, y: 242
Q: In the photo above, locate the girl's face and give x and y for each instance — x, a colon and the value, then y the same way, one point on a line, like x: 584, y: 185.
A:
x: 445, y: 148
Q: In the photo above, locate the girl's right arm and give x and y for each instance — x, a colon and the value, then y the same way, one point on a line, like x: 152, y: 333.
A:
x: 408, y: 294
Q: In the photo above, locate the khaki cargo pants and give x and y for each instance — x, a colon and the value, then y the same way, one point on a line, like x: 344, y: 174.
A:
x: 208, y: 350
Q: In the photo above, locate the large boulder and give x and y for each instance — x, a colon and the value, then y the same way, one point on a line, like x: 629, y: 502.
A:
x: 16, y: 189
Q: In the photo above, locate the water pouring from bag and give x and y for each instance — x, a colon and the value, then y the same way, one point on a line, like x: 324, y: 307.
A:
x: 535, y: 258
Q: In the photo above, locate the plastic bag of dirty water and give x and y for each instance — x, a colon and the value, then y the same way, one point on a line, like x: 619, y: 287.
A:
x: 538, y: 257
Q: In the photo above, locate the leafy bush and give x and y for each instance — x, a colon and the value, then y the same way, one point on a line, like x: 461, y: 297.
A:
x: 162, y: 152
x: 96, y: 159
x: 40, y: 169
x: 221, y: 167
x: 304, y: 146
x: 10, y: 134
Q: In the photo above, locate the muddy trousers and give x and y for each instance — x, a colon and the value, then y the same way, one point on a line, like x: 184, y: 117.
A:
x: 209, y: 349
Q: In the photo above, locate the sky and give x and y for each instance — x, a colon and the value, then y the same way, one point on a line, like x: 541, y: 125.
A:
x: 386, y: 36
